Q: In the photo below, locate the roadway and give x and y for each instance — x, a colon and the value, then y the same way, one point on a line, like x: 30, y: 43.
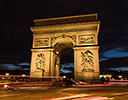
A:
x: 45, y: 92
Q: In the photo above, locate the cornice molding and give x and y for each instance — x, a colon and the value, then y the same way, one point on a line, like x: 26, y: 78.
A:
x: 66, y: 28
x: 66, y: 20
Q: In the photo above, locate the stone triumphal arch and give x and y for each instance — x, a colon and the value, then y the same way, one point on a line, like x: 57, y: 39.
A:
x: 51, y: 36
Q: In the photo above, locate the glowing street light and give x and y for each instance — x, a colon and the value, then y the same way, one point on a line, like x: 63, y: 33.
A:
x: 23, y: 75
x: 64, y: 76
x: 104, y: 76
x: 6, y: 73
x: 5, y: 86
x: 120, y: 76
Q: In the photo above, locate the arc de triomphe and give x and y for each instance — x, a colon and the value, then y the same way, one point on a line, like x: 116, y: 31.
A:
x: 51, y: 36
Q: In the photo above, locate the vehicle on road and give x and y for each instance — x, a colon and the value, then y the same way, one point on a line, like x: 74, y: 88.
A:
x: 65, y: 83
x: 6, y: 87
x: 81, y: 82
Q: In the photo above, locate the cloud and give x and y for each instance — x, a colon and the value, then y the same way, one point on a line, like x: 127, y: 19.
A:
x: 67, y: 68
x: 120, y: 68
x: 9, y: 67
x: 14, y: 67
x: 24, y: 64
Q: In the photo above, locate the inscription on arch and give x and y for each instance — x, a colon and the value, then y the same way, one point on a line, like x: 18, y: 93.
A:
x: 41, y: 41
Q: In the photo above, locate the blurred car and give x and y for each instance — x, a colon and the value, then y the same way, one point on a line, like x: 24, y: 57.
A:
x: 65, y: 83
x: 7, y: 86
x: 81, y: 82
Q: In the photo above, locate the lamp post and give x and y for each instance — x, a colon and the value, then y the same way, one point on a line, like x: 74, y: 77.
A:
x: 64, y: 76
x: 120, y: 76
x: 7, y: 74
x: 23, y: 75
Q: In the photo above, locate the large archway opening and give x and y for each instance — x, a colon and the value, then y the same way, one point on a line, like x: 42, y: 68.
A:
x: 67, y: 63
x: 64, y: 57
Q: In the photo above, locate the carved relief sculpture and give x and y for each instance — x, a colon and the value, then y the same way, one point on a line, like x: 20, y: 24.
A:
x: 86, y: 39
x: 40, y: 61
x: 87, y: 61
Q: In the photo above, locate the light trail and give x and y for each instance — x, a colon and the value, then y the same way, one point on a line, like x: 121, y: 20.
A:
x: 68, y: 97
x: 120, y: 80
x: 26, y: 84
x: 78, y: 97
x: 92, y: 85
x: 32, y: 76
x: 117, y: 82
x: 94, y: 98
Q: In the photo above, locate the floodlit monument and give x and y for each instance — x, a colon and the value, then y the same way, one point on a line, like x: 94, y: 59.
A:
x: 51, y: 36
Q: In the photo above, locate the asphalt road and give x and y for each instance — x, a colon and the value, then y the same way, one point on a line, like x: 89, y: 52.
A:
x: 40, y: 93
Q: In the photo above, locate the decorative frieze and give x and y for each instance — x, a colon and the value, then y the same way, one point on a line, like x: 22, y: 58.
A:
x: 73, y: 37
x: 62, y: 30
x: 83, y: 39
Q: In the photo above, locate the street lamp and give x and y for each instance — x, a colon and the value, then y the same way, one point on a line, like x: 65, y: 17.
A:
x: 23, y: 75
x: 6, y: 73
x: 120, y: 76
x: 64, y: 76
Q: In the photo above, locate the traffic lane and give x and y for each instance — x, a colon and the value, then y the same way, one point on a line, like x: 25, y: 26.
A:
x: 112, y: 89
x: 26, y: 94
x: 26, y: 84
x: 61, y: 92
x: 120, y: 97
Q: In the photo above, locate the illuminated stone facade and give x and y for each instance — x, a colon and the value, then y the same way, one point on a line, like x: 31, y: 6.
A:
x: 51, y: 36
